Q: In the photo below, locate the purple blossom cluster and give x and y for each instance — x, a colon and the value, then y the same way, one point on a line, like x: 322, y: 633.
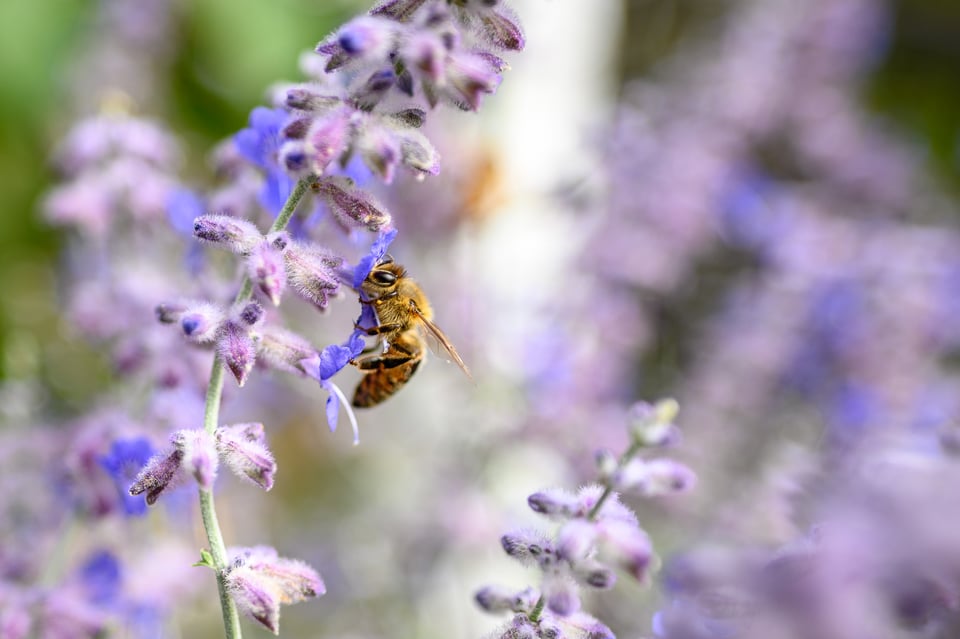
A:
x: 596, y: 533
x: 305, y: 161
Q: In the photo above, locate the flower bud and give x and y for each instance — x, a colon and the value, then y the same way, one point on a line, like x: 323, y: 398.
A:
x: 367, y: 37
x: 266, y: 270
x: 306, y: 98
x: 259, y: 582
x: 380, y: 150
x: 425, y: 51
x: 250, y: 314
x: 375, y: 89
x: 553, y: 502
x: 296, y: 129
x: 352, y: 206
x: 417, y: 152
x: 469, y: 76
x: 201, y: 321
x: 526, y: 546
x: 234, y: 234
x: 606, y: 464
x: 495, y: 598
x: 411, y: 118
x: 328, y: 138
x: 629, y: 544
x: 283, y: 350
x: 169, y: 312
x: 294, y: 158
x: 199, y: 455
x: 312, y: 273
x: 652, y: 425
x: 399, y: 10
x: 501, y: 28
x: 666, y: 410
x: 236, y: 349
x: 595, y: 574
x: 159, y: 473
x: 561, y: 595
x: 243, y: 447
x: 576, y: 540
x: 654, y: 477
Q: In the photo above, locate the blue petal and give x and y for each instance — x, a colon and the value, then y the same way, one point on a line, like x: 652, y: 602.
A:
x: 364, y: 266
x: 368, y: 318
x: 126, y: 458
x: 332, y: 359
x: 333, y: 412
x: 258, y: 142
x: 248, y: 144
x: 377, y: 250
x: 357, y: 170
x: 183, y: 207
x: 355, y: 344
x: 100, y: 576
x: 276, y: 190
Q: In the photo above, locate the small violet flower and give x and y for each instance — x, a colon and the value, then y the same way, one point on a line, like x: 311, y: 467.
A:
x: 259, y: 144
x: 323, y: 366
x: 123, y: 463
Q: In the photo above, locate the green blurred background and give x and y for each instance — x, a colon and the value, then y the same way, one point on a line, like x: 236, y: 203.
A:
x: 226, y: 52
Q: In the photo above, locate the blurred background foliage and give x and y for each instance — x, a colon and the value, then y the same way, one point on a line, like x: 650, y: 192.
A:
x: 228, y: 51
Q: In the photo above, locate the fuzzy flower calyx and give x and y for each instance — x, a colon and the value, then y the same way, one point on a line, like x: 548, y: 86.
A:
x: 260, y: 582
x: 244, y: 450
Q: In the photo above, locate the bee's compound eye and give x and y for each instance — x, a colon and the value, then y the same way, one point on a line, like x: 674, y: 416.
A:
x: 383, y: 277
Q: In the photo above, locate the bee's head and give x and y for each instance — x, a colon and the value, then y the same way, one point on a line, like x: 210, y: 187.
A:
x: 383, y: 279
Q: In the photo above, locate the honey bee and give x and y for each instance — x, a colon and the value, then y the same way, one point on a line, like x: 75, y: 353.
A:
x: 403, y: 316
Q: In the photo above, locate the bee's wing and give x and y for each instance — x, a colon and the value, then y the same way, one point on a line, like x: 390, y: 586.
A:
x: 434, y: 331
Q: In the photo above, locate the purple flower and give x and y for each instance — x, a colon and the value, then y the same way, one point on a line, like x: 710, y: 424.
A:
x: 377, y: 250
x: 323, y: 366
x: 183, y: 207
x: 126, y: 458
x: 101, y: 577
x: 259, y: 144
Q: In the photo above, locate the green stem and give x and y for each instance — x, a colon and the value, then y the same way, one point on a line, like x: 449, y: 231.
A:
x: 211, y: 419
x: 534, y: 615
x: 608, y: 490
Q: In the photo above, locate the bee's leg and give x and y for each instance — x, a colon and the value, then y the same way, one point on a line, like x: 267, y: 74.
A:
x: 377, y: 330
x: 377, y: 300
x: 401, y: 351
